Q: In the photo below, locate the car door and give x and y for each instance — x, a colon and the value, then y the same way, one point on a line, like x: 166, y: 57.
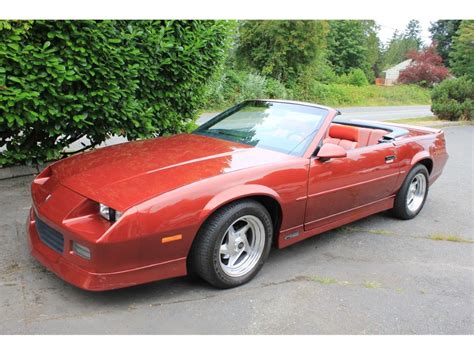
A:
x: 341, y: 185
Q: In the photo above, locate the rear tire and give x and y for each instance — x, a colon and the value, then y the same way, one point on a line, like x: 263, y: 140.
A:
x: 233, y: 244
x: 412, y: 195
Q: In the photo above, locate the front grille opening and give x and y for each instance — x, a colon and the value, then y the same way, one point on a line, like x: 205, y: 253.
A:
x: 49, y: 236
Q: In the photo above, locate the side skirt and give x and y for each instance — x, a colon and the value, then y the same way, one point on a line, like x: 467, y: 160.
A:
x: 296, y: 234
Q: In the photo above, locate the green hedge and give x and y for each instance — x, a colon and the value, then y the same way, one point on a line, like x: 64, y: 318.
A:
x: 453, y: 99
x: 62, y: 80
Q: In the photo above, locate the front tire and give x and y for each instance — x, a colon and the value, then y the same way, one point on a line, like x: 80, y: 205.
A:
x: 233, y: 244
x: 412, y: 195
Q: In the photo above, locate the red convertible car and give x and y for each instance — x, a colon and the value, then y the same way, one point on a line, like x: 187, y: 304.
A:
x: 214, y: 201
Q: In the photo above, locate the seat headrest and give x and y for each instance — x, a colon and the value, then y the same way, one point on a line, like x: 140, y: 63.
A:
x: 349, y: 133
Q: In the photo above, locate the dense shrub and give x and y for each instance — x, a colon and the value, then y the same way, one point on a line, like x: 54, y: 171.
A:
x: 61, y: 80
x: 221, y: 88
x: 355, y: 77
x: 251, y: 87
x: 323, y: 93
x: 426, y: 68
x: 232, y: 86
x: 453, y: 99
x: 275, y: 89
x: 323, y: 73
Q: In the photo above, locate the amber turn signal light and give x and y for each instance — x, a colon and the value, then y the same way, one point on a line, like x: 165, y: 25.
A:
x: 173, y: 238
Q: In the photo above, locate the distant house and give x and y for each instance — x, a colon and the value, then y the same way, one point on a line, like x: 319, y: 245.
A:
x: 392, y: 74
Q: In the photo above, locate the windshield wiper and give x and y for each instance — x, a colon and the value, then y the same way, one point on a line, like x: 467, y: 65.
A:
x: 225, y: 132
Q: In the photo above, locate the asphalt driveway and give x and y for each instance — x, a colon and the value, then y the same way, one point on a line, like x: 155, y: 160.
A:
x: 375, y: 276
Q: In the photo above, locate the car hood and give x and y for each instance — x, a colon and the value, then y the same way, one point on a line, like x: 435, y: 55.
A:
x: 123, y: 175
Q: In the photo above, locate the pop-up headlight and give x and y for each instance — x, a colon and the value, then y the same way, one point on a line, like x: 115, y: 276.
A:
x: 109, y: 213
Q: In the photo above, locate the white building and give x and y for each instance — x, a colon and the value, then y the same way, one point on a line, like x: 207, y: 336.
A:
x: 392, y: 74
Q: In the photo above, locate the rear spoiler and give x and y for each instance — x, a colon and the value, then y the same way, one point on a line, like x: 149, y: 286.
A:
x: 394, y: 132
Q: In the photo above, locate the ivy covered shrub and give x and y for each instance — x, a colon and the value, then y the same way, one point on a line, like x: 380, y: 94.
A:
x: 453, y: 99
x: 63, y: 80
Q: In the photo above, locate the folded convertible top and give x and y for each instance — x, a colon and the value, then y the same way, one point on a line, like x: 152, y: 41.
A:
x: 394, y: 132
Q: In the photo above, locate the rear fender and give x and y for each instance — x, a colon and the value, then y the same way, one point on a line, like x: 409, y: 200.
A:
x: 419, y: 157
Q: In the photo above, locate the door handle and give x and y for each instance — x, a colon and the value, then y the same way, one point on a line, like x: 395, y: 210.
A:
x: 389, y: 159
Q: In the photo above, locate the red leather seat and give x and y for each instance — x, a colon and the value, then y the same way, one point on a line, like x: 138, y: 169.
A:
x: 375, y: 135
x: 345, y: 136
x: 364, y: 136
x: 351, y: 137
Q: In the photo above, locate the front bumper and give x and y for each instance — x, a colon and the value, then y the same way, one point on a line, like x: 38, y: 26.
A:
x: 64, y: 266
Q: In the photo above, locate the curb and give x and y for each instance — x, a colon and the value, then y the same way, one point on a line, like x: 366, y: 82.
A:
x: 21, y: 170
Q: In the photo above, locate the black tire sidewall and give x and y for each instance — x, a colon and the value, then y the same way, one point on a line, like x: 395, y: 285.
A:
x: 401, y: 208
x: 216, y: 228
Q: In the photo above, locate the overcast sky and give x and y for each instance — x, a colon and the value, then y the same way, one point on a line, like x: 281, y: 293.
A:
x: 388, y: 26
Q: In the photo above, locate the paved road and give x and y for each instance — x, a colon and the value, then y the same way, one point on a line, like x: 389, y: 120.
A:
x: 376, y: 276
x: 379, y: 113
x: 385, y: 113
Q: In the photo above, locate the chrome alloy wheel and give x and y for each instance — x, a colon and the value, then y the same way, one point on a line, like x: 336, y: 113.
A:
x: 416, y: 192
x: 242, y: 246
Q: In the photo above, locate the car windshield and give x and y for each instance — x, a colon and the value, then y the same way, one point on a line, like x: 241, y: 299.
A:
x: 280, y: 126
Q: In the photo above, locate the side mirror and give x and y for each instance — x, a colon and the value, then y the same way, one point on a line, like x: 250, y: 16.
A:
x: 329, y: 151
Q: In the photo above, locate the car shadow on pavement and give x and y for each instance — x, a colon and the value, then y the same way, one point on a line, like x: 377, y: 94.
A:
x: 191, y: 287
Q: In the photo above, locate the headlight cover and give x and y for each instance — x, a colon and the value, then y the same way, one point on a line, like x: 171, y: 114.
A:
x: 109, y: 213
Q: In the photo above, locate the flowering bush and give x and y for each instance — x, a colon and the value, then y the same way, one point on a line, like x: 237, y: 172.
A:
x: 426, y: 68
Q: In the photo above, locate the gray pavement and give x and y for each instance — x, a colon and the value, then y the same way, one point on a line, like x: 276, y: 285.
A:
x: 371, y: 113
x: 379, y: 275
x: 385, y: 113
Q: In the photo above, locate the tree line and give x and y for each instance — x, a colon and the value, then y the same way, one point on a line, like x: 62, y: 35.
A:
x: 320, y: 60
x: 285, y: 50
x: 61, y: 81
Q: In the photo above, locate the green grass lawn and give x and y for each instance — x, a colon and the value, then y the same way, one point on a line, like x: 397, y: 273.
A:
x: 372, y: 95
x: 429, y: 121
x: 418, y: 120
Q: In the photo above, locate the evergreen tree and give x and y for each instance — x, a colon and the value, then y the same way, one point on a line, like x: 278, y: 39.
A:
x: 347, y: 46
x: 374, y: 49
x: 412, y: 35
x: 280, y: 49
x: 401, y: 44
x: 442, y: 33
x: 394, y: 53
x: 462, y: 54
